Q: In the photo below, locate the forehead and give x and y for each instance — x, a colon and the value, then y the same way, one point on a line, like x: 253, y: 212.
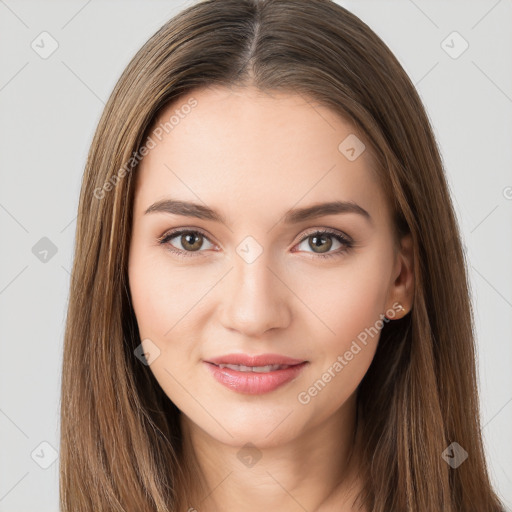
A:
x: 242, y: 151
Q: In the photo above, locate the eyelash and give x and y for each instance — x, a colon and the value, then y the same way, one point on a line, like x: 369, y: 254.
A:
x: 164, y: 239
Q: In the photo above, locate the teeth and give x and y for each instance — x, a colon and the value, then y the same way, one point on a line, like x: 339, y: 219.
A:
x: 256, y: 369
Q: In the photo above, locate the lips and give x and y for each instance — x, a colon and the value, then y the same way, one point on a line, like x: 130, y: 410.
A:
x: 256, y: 369
x: 255, y: 374
x: 249, y: 360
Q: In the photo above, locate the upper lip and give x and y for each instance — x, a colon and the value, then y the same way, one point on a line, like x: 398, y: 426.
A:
x: 255, y: 360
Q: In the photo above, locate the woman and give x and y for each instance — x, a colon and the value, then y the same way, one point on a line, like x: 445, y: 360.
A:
x: 269, y: 304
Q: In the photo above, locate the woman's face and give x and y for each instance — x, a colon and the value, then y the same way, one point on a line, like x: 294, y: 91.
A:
x: 260, y: 280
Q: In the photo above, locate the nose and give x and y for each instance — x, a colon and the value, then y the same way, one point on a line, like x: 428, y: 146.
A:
x: 255, y: 298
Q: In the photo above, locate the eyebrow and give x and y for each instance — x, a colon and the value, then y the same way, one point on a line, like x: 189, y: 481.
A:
x: 292, y: 216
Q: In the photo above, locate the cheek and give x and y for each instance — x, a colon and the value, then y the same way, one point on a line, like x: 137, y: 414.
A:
x: 157, y: 298
x: 343, y: 357
x: 168, y: 301
x: 146, y: 296
x: 348, y: 298
x: 156, y: 293
x: 350, y: 306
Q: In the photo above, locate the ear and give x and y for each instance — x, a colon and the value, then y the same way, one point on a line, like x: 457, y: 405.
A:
x: 402, y: 288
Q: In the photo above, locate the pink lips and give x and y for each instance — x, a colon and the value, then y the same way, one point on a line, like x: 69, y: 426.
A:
x: 255, y: 383
x: 256, y: 360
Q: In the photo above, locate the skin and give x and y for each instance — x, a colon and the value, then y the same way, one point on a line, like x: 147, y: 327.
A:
x: 252, y: 156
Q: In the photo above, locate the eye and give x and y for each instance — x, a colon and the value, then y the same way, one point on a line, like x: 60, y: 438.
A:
x: 190, y: 241
x: 319, y: 239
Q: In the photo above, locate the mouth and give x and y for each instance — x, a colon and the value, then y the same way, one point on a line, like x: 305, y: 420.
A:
x: 255, y: 379
x: 256, y: 369
x: 255, y: 361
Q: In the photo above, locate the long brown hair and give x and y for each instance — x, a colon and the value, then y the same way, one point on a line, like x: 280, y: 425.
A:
x: 120, y: 434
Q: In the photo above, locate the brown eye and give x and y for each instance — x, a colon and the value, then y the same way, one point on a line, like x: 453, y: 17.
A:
x: 187, y: 241
x: 191, y: 241
x: 321, y: 242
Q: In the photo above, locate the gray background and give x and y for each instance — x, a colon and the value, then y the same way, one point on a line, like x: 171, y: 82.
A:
x: 49, y: 110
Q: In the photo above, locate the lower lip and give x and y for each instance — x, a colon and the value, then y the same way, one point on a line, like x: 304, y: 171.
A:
x: 253, y: 383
